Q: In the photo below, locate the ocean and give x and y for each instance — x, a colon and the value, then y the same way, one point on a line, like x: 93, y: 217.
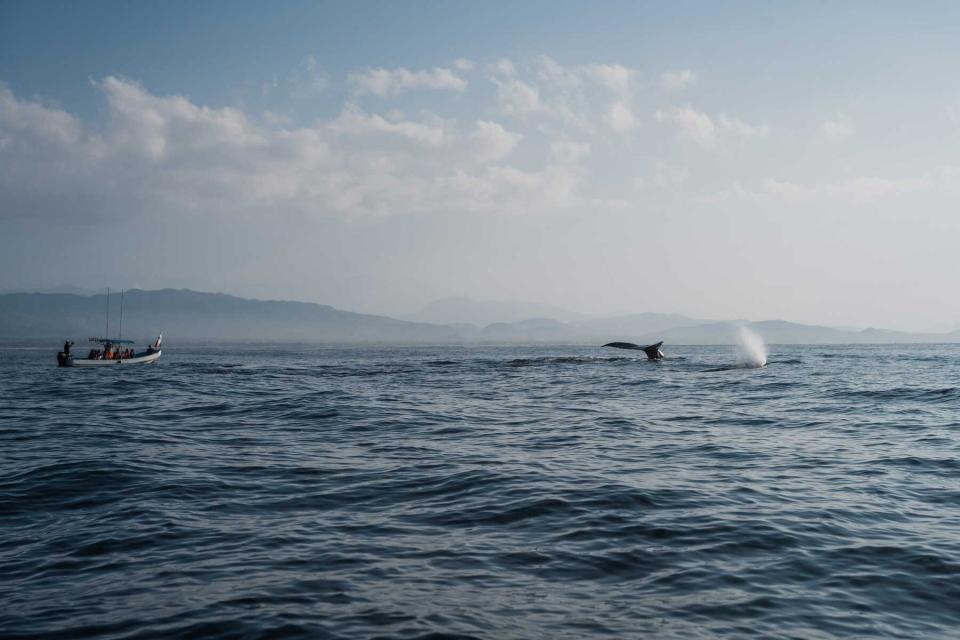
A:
x: 295, y: 491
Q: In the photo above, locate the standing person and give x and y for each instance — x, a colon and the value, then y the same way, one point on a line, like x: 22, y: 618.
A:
x: 66, y: 348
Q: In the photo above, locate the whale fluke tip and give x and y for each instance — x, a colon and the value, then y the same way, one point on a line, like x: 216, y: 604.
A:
x: 624, y: 345
x: 653, y: 351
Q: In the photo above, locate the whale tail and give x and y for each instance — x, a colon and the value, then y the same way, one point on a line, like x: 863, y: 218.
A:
x: 653, y: 351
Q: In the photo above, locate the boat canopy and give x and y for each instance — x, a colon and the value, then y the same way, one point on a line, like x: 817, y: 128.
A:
x: 111, y: 341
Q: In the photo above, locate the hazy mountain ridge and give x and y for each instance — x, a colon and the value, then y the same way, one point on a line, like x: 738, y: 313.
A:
x: 196, y: 315
x: 192, y: 315
x: 481, y: 313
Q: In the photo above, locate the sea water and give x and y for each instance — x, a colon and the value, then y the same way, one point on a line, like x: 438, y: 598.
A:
x: 496, y: 492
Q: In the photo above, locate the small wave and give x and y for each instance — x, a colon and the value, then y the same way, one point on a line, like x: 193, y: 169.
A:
x: 225, y: 370
x: 68, y: 485
x: 736, y: 367
x: 642, y: 382
x: 919, y: 394
x: 555, y: 360
x: 949, y: 466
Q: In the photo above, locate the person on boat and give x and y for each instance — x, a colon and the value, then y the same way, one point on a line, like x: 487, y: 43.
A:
x: 66, y: 348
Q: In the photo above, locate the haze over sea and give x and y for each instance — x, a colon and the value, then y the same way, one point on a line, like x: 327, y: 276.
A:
x: 489, y: 492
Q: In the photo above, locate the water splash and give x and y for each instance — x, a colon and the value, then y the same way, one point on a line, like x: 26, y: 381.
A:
x: 752, y: 350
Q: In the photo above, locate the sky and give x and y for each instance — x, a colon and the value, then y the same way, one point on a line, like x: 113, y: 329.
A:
x: 755, y: 160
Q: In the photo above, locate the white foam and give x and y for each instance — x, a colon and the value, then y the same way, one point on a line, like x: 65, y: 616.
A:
x: 752, y: 350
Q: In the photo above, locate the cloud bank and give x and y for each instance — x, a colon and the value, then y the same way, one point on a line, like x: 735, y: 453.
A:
x: 541, y: 142
x: 168, y: 153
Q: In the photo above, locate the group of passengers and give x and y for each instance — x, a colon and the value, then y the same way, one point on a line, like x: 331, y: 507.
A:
x: 110, y: 354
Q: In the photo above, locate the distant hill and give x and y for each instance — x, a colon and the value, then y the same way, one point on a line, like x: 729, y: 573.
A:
x: 512, y: 320
x: 783, y: 332
x: 190, y: 315
x: 686, y: 331
x: 485, y: 312
x: 202, y: 316
x: 63, y: 288
x: 634, y: 325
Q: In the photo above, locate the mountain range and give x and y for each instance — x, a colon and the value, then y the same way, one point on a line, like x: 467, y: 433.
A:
x: 196, y: 316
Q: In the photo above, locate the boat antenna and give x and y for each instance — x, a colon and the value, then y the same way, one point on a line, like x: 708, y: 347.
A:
x: 120, y: 335
x: 106, y: 334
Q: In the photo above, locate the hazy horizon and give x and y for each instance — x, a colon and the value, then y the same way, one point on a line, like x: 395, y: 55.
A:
x: 743, y: 160
x: 484, y: 313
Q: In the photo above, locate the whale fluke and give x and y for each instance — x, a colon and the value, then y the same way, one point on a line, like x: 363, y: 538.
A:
x: 653, y: 351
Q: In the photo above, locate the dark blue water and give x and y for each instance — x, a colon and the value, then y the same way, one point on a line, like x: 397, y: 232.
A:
x: 561, y: 492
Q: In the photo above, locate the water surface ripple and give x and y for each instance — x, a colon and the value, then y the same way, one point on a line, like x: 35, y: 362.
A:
x: 499, y: 492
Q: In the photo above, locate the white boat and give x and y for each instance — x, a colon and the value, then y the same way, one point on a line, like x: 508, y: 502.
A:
x: 111, y: 354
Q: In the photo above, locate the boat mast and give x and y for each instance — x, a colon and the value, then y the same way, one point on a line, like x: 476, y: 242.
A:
x: 106, y: 333
x: 120, y: 335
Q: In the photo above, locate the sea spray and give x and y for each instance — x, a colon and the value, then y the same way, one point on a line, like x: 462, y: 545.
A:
x: 752, y: 350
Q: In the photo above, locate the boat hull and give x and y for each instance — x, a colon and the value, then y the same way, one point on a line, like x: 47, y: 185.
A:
x: 138, y: 359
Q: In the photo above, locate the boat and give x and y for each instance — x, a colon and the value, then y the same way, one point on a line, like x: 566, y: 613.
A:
x: 113, y: 351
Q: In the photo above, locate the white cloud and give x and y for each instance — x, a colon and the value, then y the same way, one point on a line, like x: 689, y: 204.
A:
x: 614, y: 77
x: 741, y: 128
x: 503, y: 67
x: 517, y: 98
x: 840, y: 126
x: 554, y: 75
x: 168, y: 127
x: 691, y: 124
x: 696, y: 126
x: 309, y: 79
x: 493, y: 142
x: 678, y: 80
x: 463, y: 64
x: 388, y: 82
x: 37, y: 120
x: 509, y: 190
x: 663, y: 176
x: 164, y: 155
x: 568, y: 151
x: 620, y: 118
x: 573, y: 97
x: 354, y: 121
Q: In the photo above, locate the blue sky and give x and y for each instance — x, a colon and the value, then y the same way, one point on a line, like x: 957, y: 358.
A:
x: 744, y: 159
